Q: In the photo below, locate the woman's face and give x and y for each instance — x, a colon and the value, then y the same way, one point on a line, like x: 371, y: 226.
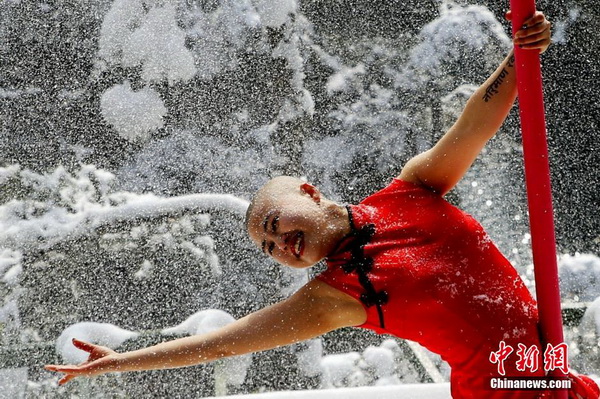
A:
x: 292, y: 227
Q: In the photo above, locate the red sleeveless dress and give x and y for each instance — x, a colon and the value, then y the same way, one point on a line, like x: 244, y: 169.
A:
x: 428, y: 272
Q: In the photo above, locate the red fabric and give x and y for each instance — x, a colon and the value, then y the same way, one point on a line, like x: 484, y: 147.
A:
x: 583, y: 386
x: 449, y: 288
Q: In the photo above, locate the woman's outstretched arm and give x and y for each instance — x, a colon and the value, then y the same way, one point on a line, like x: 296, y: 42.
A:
x: 441, y: 167
x: 314, y: 310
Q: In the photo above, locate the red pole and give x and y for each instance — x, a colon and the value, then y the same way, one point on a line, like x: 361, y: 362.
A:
x: 537, y: 178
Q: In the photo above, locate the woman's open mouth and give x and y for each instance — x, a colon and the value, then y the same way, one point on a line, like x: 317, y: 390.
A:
x: 297, y: 244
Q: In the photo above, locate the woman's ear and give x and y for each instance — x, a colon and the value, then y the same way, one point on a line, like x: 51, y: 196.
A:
x: 312, y: 192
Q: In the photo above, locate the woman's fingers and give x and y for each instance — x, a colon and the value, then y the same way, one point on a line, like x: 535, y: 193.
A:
x: 66, y: 379
x: 72, y: 371
x: 95, y: 351
x: 537, y: 18
x: 86, y: 346
x: 69, y: 369
x: 535, y: 33
x: 532, y: 38
x: 530, y: 30
x: 542, y: 45
x: 539, y: 41
x: 99, y: 362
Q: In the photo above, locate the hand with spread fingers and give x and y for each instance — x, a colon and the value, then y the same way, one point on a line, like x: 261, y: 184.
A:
x: 101, y: 360
x: 534, y: 34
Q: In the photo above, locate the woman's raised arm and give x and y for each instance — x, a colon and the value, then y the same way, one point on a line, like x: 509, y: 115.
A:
x: 441, y: 167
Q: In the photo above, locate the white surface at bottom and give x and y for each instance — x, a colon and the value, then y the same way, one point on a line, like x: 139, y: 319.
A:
x: 406, y: 391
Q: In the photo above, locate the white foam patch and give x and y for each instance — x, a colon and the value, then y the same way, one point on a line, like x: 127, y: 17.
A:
x: 579, y: 277
x: 275, y: 13
x: 133, y: 114
x: 159, y: 46
x: 104, y: 334
x: 117, y: 28
x: 408, y: 391
x: 230, y: 371
x: 201, y: 322
x: 13, y: 382
x: 154, y: 40
x: 380, y: 359
x: 456, y: 31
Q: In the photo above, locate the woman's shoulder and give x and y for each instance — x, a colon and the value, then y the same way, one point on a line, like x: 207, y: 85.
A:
x: 401, y: 187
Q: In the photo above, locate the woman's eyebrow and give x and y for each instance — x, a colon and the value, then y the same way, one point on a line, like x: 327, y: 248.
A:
x: 265, y: 224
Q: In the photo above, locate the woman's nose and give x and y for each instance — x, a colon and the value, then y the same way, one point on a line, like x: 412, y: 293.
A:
x: 279, y: 241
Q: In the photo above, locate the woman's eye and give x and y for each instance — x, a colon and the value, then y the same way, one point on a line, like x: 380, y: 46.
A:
x: 274, y: 224
x: 271, y: 248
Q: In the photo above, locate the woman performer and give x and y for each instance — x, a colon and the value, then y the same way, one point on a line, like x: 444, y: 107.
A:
x: 403, y: 262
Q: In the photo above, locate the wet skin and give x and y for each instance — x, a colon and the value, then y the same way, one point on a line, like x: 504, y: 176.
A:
x: 296, y: 226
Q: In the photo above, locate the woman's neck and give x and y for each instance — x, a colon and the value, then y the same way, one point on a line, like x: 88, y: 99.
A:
x: 339, y: 222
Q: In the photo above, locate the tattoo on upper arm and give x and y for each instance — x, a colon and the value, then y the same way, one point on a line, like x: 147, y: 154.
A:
x: 493, y: 87
x: 511, y: 61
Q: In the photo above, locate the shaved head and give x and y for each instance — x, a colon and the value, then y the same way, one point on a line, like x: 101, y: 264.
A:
x: 272, y: 190
x: 290, y: 221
